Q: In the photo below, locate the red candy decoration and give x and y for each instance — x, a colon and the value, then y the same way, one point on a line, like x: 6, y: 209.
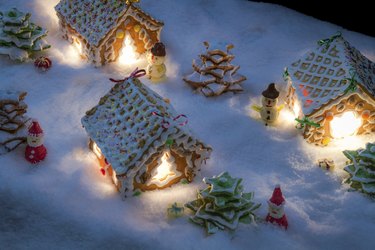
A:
x: 276, y: 213
x: 43, y: 63
x: 35, y: 150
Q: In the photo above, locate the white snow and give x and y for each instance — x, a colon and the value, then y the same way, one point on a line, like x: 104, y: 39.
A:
x: 65, y: 202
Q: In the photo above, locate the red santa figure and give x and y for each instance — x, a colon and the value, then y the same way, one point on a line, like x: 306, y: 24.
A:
x: 35, y: 150
x: 276, y: 208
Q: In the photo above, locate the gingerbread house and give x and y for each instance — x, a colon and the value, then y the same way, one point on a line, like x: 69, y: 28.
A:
x: 101, y: 29
x: 141, y: 141
x: 331, y: 89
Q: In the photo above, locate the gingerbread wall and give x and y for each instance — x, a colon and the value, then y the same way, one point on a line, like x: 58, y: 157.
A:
x: 358, y: 102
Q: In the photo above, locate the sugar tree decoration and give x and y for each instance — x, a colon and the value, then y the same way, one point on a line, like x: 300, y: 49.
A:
x: 19, y: 37
x: 223, y: 204
x: 214, y: 74
x: 12, y: 120
x: 361, y: 169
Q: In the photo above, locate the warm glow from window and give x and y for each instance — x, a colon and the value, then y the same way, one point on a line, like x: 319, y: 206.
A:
x: 289, y: 115
x: 128, y: 55
x: 163, y: 172
x: 78, y: 46
x: 296, y: 109
x: 345, y: 125
x: 69, y: 55
x: 114, y: 177
x: 96, y: 150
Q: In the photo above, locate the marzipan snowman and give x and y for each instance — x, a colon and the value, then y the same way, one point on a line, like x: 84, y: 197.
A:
x: 269, y: 111
x: 35, y: 151
x: 156, y: 69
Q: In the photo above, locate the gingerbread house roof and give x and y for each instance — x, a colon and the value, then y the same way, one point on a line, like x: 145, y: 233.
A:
x: 94, y: 19
x: 132, y: 123
x: 324, y: 74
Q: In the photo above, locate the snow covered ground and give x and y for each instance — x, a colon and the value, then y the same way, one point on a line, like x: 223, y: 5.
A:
x: 65, y: 202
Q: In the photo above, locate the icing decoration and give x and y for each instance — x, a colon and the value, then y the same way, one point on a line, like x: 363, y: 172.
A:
x: 167, y: 124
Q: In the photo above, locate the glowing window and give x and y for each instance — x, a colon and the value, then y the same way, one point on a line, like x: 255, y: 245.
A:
x: 345, y: 125
x: 128, y: 55
x: 165, y: 172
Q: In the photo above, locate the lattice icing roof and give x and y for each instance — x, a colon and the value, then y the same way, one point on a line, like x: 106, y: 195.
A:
x: 323, y: 74
x: 93, y: 19
x: 126, y: 130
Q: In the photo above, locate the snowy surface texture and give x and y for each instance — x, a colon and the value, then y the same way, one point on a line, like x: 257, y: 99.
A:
x: 65, y: 202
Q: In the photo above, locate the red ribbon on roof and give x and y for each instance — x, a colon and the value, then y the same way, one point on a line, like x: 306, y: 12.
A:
x: 166, y: 124
x: 135, y: 74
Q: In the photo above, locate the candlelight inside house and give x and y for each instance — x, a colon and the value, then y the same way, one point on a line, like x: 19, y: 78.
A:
x: 331, y: 91
x: 140, y: 140
x: 100, y: 27
x: 345, y: 125
x: 128, y: 54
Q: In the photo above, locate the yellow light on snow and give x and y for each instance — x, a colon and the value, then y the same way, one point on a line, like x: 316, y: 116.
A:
x: 288, y: 115
x: 345, y: 125
x: 69, y: 55
x: 128, y: 55
x: 78, y: 46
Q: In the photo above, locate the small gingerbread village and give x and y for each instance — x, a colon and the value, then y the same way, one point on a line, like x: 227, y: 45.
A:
x: 137, y: 146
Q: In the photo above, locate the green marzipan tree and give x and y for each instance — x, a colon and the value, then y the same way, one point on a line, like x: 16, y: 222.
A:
x: 19, y: 37
x: 361, y: 169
